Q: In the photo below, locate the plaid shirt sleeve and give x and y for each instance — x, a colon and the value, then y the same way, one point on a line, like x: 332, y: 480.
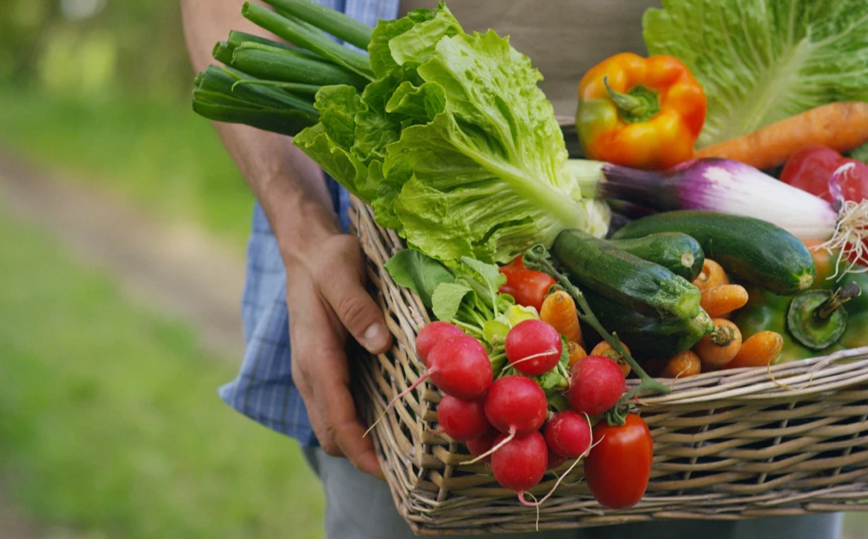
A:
x: 264, y: 390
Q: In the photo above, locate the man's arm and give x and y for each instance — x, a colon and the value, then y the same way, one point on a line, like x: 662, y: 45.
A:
x: 325, y: 268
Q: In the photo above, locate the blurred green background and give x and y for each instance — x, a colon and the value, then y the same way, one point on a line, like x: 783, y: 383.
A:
x: 110, y: 426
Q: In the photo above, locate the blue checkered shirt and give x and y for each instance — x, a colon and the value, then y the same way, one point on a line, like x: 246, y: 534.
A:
x: 264, y: 390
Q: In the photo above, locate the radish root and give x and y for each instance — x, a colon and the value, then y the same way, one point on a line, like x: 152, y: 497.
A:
x: 528, y: 358
x: 851, y: 229
x: 398, y: 397
x: 493, y: 449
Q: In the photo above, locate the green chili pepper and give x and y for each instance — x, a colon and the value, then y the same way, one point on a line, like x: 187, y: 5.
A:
x: 817, y: 318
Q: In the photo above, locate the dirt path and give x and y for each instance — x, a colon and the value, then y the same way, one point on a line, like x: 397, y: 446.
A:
x: 179, y: 270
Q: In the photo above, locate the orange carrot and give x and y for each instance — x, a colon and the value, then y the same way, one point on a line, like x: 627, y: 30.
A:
x: 605, y: 349
x: 712, y: 274
x: 718, y: 348
x: 759, y: 350
x: 723, y: 299
x: 841, y: 126
x: 559, y: 310
x: 682, y: 364
x: 576, y: 352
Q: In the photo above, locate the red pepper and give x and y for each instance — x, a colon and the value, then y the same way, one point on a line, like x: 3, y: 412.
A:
x: 528, y: 287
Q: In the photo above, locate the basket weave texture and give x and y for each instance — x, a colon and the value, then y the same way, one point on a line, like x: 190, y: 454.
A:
x: 742, y: 443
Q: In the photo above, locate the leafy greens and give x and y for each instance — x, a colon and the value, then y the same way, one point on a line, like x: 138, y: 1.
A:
x: 453, y: 145
x: 760, y: 61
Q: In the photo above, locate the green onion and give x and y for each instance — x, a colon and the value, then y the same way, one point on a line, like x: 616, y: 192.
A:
x: 224, y: 80
x: 236, y: 39
x: 335, y: 23
x: 215, y: 107
x: 286, y: 67
x: 294, y: 87
x: 302, y: 35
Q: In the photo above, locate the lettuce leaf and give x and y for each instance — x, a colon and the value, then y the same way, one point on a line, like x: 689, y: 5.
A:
x: 454, y: 145
x: 760, y: 61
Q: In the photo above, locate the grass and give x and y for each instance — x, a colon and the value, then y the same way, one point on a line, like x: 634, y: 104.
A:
x: 109, y: 419
x: 156, y: 153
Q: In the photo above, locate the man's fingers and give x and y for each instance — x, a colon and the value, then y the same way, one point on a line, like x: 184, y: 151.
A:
x: 343, y: 288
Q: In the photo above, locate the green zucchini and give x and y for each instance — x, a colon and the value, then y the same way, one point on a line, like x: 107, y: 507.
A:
x: 595, y: 264
x: 677, y: 252
x: 648, y: 337
x: 756, y: 251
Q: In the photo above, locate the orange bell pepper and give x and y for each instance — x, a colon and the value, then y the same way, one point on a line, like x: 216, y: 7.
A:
x: 640, y: 112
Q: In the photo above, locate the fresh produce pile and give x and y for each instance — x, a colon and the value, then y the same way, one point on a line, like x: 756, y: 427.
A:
x: 721, y: 259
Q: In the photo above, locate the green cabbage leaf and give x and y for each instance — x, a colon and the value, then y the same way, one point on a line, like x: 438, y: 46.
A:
x: 760, y: 61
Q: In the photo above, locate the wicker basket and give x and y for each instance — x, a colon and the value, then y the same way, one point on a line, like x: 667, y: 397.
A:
x: 736, y: 444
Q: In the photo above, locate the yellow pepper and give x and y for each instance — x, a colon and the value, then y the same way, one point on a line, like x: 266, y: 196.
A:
x: 640, y: 112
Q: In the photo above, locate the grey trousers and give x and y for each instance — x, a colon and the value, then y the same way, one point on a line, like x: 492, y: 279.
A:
x: 359, y: 506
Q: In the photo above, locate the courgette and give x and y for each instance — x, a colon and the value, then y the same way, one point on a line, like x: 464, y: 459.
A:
x: 648, y: 337
x: 677, y: 252
x: 596, y: 264
x: 756, y: 251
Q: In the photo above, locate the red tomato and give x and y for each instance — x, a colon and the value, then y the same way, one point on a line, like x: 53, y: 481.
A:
x: 528, y: 287
x: 619, y: 466
x: 810, y: 169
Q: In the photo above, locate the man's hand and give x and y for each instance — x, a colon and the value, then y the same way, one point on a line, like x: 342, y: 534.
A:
x: 326, y: 298
x: 325, y: 270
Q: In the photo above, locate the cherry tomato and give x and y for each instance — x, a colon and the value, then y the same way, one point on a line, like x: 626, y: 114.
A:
x: 619, y: 466
x: 810, y: 169
x: 528, y: 287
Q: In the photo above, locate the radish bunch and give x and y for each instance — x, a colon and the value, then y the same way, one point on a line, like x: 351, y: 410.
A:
x: 509, y: 421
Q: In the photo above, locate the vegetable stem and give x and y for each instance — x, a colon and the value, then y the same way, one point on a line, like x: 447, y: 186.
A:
x: 537, y: 257
x: 334, y: 22
x: 838, y: 298
x: 308, y: 38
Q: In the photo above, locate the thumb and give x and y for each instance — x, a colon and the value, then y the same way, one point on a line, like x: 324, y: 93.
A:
x: 357, y: 311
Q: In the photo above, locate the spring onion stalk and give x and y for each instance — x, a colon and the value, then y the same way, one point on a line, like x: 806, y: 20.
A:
x: 731, y: 187
x: 236, y: 39
x: 270, y: 63
x: 225, y: 79
x: 335, y: 23
x: 219, y: 97
x: 304, y: 36
x: 297, y: 88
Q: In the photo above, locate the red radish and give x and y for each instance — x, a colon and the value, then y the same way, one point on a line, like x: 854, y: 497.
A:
x: 431, y: 334
x: 483, y: 444
x: 568, y: 434
x: 459, y: 366
x: 533, y: 347
x: 516, y: 404
x: 521, y: 462
x: 462, y: 420
x: 596, y: 384
x: 554, y: 460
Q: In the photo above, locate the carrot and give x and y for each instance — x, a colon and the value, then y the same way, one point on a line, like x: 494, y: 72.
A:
x: 559, y: 310
x: 757, y: 351
x: 683, y: 364
x: 718, y: 348
x: 841, y: 126
x: 575, y: 351
x: 723, y: 299
x: 712, y: 274
x: 605, y: 349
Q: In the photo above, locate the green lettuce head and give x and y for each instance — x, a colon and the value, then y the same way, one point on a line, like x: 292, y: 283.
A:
x: 454, y: 145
